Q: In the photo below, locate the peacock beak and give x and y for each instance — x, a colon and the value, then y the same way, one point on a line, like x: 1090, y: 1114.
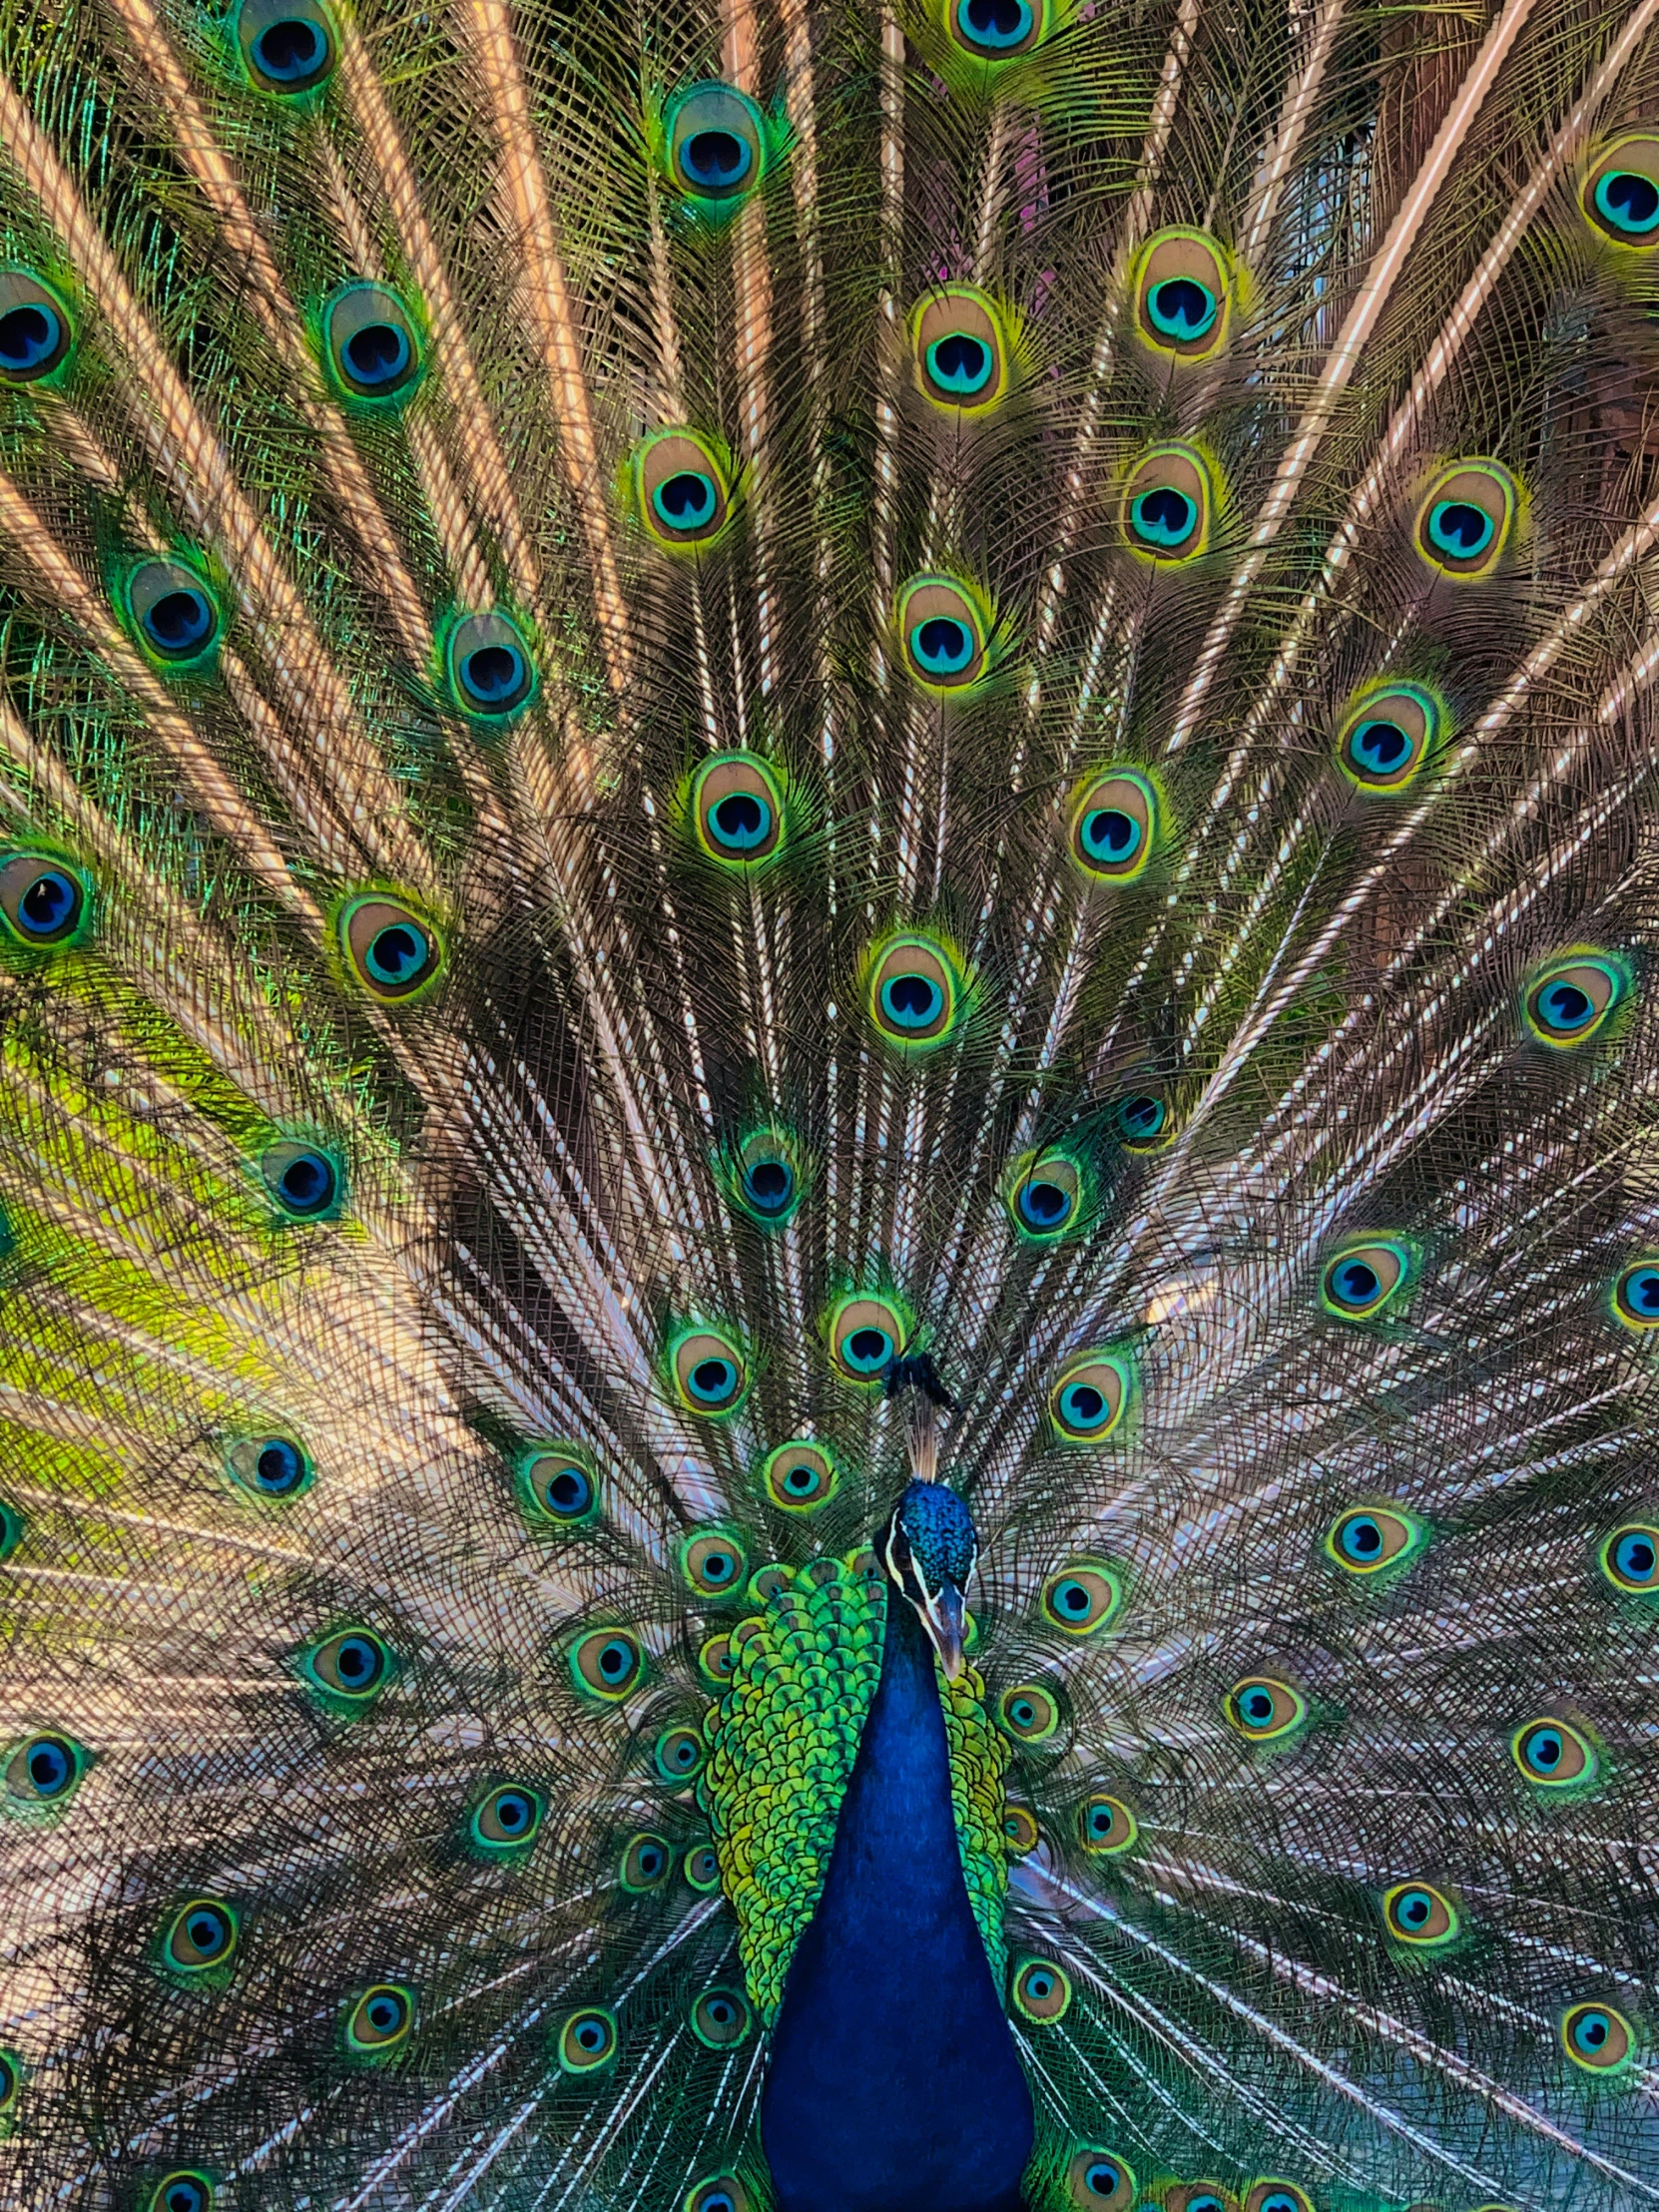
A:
x: 941, y: 1616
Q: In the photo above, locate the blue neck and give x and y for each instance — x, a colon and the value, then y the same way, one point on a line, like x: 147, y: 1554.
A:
x: 893, y: 2084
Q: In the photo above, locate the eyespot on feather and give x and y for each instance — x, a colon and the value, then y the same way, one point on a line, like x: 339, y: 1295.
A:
x: 713, y: 1563
x: 1372, y: 1539
x: 1082, y: 1598
x: 1629, y: 1558
x: 646, y: 1863
x: 963, y: 350
x: 1143, y: 1121
x: 1106, y: 1826
x: 1086, y: 1401
x: 1364, y: 1277
x: 1114, y: 827
x: 736, y: 810
x: 1572, y: 997
x: 701, y: 1869
x: 41, y: 1774
x: 1263, y: 1710
x: 13, y: 1529
x: 717, y: 147
x: 1029, y: 1713
x: 709, y: 1372
x: 1276, y: 2196
x: 1388, y: 734
x: 507, y: 1820
x: 1415, y: 1913
x: 607, y: 1664
x: 270, y: 1466
x: 348, y: 1668
x: 915, y: 992
x: 288, y: 47
x: 682, y: 489
x: 182, y: 2192
x: 1041, y: 1991
x: 719, y: 2193
x: 1045, y: 1195
x: 557, y: 1486
x: 866, y: 1333
x: 1465, y: 519
x: 720, y: 2020
x: 305, y: 1182
x: 371, y: 347
x: 944, y: 628
x: 1099, y: 2180
x: 799, y: 1478
x: 679, y: 1755
x: 1182, y: 286
x: 1635, y: 1294
x: 37, y: 332
x: 201, y: 1936
x: 380, y: 2022
x: 45, y: 900
x: 995, y: 32
x: 1167, y: 511
x: 488, y: 668
x: 1620, y: 196
x: 1553, y: 1755
x: 393, y: 950
x: 174, y: 614
x: 1598, y: 2038
x: 1020, y: 1833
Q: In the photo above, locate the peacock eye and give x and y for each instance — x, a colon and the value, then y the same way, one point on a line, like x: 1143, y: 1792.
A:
x: 682, y: 484
x: 557, y: 1486
x: 1166, y: 513
x: 721, y: 2018
x: 1082, y: 1598
x: 1028, y: 1713
x: 1622, y: 192
x: 800, y: 1477
x: 1553, y: 1754
x: 1041, y: 1990
x: 646, y: 1865
x: 943, y: 631
x: 289, y: 46
x: 1181, y: 289
x: 1465, y: 519
x: 200, y: 1935
x: 1020, y: 1833
x: 392, y: 951
x: 678, y: 1753
x: 913, y: 992
x: 1276, y: 2196
x: 716, y: 1659
x: 1087, y: 1400
x: 1142, y: 1121
x: 1572, y: 998
x: 865, y: 1336
x: 1105, y: 1825
x: 701, y: 1867
x: 1630, y: 1560
x: 710, y: 1372
x: 1413, y: 1913
x: 371, y: 345
x: 353, y: 1664
x: 1265, y: 1710
x: 737, y: 810
x: 43, y: 900
x: 303, y: 1182
x: 1114, y: 827
x: 995, y: 30
x: 719, y: 2193
x: 1387, y: 735
x: 489, y: 666
x: 714, y: 140
x: 714, y: 1565
x: 182, y: 2192
x: 173, y: 612
x: 1359, y: 1282
x: 1199, y: 2196
x: 586, y: 2042
x: 1044, y: 1196
x: 960, y: 348
x: 268, y: 1466
x: 1636, y: 1295
x: 1099, y: 2180
x: 13, y: 1529
x: 508, y: 1818
x: 380, y: 2020
x: 35, y: 334
x: 1375, y: 1536
x: 1598, y: 2037
x: 44, y: 1771
x: 607, y: 1663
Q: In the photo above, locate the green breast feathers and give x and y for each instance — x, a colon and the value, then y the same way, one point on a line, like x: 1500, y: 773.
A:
x: 783, y: 1739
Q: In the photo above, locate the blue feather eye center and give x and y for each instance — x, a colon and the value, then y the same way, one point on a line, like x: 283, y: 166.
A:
x: 377, y: 355
x: 50, y: 905
x: 1360, y: 1538
x: 303, y: 1182
x: 181, y: 2193
x: 1572, y: 999
x: 1164, y: 516
x: 960, y: 362
x: 911, y: 1001
x: 995, y: 26
x: 1044, y: 1204
x: 942, y: 645
x: 1182, y: 308
x: 179, y: 622
x: 508, y: 1816
x: 290, y: 50
x: 716, y: 161
x: 1416, y: 1909
x: 493, y: 674
x: 49, y: 1765
x: 713, y: 1380
x: 358, y: 1662
x: 1542, y: 1750
x: 1140, y: 1119
x: 1564, y: 1006
x: 1257, y: 1707
x: 1459, y: 529
x: 30, y: 339
x: 1639, y: 1292
x: 768, y: 1185
x: 566, y: 1492
x: 1379, y: 749
x: 741, y: 821
x: 1111, y: 836
x: 868, y: 1351
x: 687, y: 500
x: 1628, y: 203
x: 398, y: 954
x: 1636, y: 1558
x: 278, y: 1468
x: 1102, y: 2178
x: 1083, y: 1405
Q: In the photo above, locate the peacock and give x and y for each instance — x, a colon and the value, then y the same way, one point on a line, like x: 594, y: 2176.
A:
x: 830, y: 1119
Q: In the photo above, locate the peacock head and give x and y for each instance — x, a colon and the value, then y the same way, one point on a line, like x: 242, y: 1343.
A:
x: 930, y: 1547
